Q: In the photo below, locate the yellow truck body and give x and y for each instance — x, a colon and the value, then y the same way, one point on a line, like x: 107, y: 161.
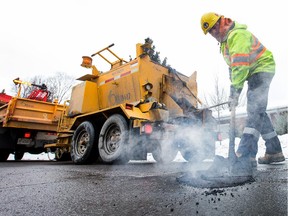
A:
x: 136, y: 107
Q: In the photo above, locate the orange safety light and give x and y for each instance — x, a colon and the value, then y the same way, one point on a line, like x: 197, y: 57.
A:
x: 86, y: 62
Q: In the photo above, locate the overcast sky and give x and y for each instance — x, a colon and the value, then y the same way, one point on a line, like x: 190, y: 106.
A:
x: 40, y: 37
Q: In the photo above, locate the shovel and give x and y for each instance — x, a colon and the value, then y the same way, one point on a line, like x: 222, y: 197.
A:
x: 220, y: 162
x: 221, y: 165
x: 218, y: 174
x: 231, y: 152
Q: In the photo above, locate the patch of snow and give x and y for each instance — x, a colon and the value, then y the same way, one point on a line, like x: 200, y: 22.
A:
x: 222, y: 147
x: 27, y: 156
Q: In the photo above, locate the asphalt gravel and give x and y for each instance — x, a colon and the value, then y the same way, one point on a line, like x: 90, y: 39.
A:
x: 138, y: 188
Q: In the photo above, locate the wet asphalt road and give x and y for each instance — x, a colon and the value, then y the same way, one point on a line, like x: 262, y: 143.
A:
x: 62, y: 188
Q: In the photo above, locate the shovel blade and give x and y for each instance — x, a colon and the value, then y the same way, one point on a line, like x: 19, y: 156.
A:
x: 219, y: 166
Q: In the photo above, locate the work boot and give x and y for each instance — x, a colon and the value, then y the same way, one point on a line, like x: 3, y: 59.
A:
x: 271, y: 158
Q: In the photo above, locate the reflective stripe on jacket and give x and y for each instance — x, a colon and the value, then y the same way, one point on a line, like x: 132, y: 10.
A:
x: 245, y: 55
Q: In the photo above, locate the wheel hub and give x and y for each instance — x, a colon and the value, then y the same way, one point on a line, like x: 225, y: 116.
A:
x: 82, y: 143
x: 113, y: 139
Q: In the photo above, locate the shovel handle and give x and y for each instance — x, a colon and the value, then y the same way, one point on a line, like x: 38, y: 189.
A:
x: 231, y: 153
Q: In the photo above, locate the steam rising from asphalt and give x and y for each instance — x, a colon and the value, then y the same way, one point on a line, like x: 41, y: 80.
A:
x: 193, y: 144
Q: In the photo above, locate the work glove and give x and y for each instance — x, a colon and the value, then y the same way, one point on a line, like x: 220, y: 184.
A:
x: 234, y: 97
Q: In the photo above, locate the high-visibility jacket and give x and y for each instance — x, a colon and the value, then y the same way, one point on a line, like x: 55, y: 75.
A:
x: 245, y: 55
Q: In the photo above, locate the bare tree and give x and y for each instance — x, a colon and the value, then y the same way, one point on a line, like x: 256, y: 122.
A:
x: 60, y: 86
x: 218, y: 96
x: 221, y: 95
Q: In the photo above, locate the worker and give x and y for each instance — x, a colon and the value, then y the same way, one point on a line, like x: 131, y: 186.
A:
x: 248, y: 60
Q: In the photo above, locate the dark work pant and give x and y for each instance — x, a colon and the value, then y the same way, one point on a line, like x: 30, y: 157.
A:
x: 258, y: 121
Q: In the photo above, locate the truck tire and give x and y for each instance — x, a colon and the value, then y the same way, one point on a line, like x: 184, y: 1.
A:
x: 138, y: 151
x: 83, y: 147
x: 5, y: 145
x: 197, y: 146
x: 18, y: 155
x: 193, y: 152
x: 164, y: 153
x: 113, y: 140
x: 4, y: 154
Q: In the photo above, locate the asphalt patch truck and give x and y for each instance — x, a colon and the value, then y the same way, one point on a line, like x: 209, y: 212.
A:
x: 137, y: 107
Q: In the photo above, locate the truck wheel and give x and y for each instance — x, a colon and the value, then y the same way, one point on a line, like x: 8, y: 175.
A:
x: 197, y: 152
x: 18, y: 155
x: 192, y: 153
x: 164, y: 153
x: 83, y: 149
x: 113, y: 140
x: 5, y: 144
x: 4, y: 154
x: 138, y: 151
x: 189, y: 156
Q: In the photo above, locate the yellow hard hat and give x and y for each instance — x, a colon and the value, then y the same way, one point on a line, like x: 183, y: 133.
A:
x: 208, y: 20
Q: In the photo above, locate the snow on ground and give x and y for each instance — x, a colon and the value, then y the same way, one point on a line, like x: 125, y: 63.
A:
x: 221, y: 149
x: 42, y: 156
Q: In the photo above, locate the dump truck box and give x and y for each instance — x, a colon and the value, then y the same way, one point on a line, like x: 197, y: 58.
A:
x: 30, y: 114
x: 27, y: 125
